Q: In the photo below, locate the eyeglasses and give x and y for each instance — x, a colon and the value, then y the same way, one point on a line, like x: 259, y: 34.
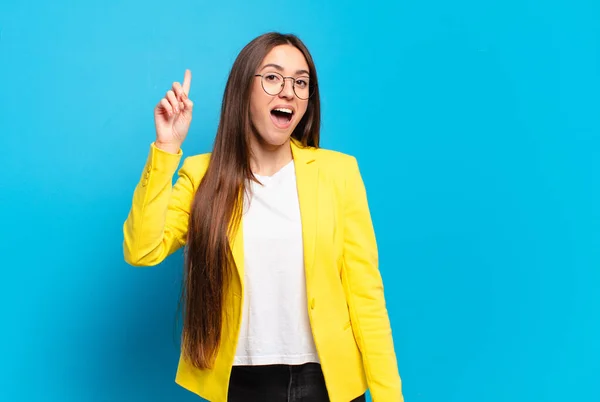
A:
x: 273, y: 84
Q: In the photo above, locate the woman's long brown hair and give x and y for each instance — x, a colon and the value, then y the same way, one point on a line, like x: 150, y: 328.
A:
x: 217, y: 206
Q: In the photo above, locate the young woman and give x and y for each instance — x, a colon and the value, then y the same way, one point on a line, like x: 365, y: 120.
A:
x: 283, y: 300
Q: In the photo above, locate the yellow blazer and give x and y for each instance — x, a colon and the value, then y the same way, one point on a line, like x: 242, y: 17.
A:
x: 345, y: 295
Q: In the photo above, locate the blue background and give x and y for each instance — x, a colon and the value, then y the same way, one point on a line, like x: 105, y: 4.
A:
x: 476, y: 125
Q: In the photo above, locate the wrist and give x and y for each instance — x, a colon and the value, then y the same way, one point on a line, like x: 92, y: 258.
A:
x: 167, y: 147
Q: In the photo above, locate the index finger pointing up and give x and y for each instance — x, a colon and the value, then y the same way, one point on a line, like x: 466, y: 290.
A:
x: 187, y: 81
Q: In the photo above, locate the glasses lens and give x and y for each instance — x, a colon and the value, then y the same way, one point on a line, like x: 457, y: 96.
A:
x: 302, y: 87
x: 272, y: 83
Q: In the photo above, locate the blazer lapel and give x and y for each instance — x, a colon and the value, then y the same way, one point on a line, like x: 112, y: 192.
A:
x: 237, y: 250
x: 307, y: 174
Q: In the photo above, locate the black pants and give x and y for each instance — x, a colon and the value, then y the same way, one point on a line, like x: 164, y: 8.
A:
x: 279, y: 383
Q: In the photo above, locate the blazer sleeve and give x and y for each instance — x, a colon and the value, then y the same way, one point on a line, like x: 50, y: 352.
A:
x: 364, y: 291
x: 157, y: 223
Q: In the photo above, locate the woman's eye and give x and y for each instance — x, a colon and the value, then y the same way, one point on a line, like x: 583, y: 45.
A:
x: 302, y: 83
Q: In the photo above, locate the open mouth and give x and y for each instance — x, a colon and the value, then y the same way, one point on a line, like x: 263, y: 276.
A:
x: 282, y: 116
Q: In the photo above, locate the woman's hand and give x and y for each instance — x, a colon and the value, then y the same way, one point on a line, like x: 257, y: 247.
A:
x: 173, y: 116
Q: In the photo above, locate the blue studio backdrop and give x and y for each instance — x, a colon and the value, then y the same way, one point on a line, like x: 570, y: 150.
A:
x: 476, y: 126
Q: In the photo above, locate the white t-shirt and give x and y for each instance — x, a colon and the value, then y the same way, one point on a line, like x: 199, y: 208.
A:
x: 275, y: 324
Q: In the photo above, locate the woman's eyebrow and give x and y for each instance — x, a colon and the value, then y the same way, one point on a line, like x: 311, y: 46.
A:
x: 279, y: 68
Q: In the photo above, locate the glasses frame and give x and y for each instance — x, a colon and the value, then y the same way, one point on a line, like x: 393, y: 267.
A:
x: 262, y: 84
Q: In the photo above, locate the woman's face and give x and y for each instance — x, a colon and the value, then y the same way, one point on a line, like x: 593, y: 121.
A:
x: 275, y: 116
